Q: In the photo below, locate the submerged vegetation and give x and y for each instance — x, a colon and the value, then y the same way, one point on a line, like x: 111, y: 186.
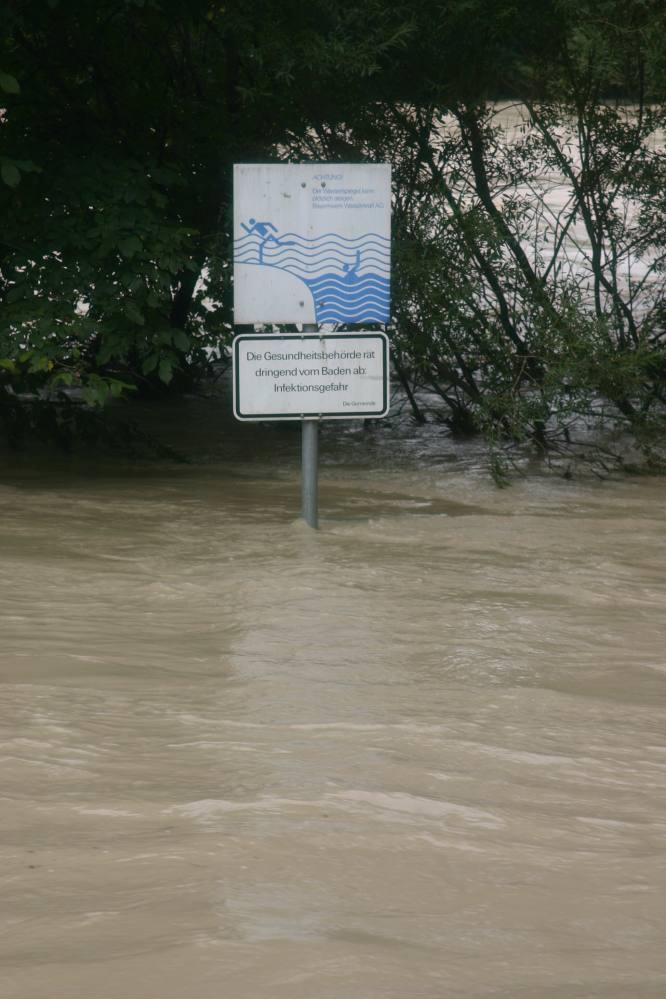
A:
x: 529, y: 215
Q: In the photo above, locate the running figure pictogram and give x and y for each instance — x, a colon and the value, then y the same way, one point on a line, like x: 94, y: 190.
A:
x: 263, y: 230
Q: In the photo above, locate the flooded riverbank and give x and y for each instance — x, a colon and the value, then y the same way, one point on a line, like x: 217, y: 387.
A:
x: 418, y: 753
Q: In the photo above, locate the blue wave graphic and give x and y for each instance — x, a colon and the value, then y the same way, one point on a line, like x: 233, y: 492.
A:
x: 349, y: 278
x: 274, y: 253
x: 369, y: 262
x: 365, y: 300
x: 329, y: 238
x: 293, y: 239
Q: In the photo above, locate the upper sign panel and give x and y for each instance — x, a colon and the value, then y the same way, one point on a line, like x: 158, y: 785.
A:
x: 312, y: 243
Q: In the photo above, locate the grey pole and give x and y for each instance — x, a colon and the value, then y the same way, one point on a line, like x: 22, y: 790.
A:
x: 309, y: 472
x: 310, y: 461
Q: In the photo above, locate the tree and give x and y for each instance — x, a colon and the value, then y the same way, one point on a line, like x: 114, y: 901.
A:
x: 528, y: 320
x: 122, y: 121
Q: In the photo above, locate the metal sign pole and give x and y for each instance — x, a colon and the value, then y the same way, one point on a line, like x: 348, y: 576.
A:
x: 309, y: 472
x: 310, y: 461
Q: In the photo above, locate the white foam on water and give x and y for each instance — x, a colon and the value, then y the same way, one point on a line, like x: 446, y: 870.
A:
x: 427, y: 807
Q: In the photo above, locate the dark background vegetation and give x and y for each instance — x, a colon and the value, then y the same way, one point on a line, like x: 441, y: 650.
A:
x: 121, y: 121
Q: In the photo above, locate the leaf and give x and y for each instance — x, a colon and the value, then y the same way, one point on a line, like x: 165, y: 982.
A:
x: 116, y: 387
x: 165, y: 370
x: 17, y: 292
x: 27, y: 166
x: 129, y: 246
x: 150, y: 363
x: 181, y: 340
x: 8, y: 365
x: 63, y: 378
x: 95, y: 394
x: 9, y: 84
x: 134, y: 314
x: 39, y: 362
x: 10, y: 174
x: 106, y: 351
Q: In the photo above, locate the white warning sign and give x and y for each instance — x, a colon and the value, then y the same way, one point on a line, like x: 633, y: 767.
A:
x: 340, y: 376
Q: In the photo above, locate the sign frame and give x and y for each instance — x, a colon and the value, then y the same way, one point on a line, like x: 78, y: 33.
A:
x: 241, y: 409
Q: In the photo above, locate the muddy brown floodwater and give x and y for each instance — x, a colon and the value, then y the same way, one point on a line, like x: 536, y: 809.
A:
x: 420, y: 753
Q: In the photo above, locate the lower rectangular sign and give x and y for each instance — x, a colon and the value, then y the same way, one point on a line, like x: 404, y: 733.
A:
x: 336, y: 376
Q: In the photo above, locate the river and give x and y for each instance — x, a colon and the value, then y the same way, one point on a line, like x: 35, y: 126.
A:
x: 419, y: 753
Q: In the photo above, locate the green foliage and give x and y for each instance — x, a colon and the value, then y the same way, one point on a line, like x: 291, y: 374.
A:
x: 93, y: 262
x: 120, y: 122
x: 536, y: 320
x: 9, y: 84
x: 116, y: 176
